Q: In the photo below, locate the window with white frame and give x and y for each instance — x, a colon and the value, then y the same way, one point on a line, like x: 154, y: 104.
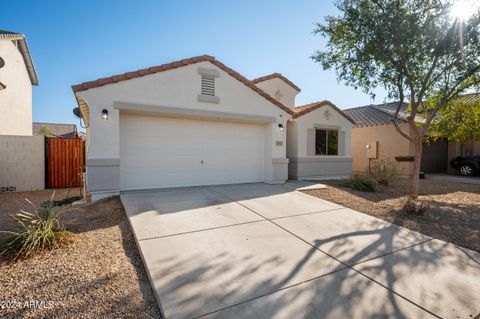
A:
x: 326, y: 142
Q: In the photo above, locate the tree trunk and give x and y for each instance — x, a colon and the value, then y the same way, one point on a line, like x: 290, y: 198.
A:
x: 416, y: 165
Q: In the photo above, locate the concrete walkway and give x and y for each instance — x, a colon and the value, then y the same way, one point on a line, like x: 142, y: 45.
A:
x: 270, y: 251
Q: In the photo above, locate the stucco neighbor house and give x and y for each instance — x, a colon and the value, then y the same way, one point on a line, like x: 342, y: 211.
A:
x: 374, y: 137
x: 55, y: 130
x: 198, y: 122
x: 17, y: 75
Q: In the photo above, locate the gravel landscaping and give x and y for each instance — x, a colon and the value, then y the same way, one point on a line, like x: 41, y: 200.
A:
x: 98, y: 275
x: 453, y: 214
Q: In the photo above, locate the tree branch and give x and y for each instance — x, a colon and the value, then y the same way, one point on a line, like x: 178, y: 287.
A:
x: 397, y: 111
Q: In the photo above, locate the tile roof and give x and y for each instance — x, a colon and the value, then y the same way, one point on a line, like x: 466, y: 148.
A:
x: 23, y: 48
x: 383, y: 114
x: 307, y: 108
x: 56, y: 129
x: 375, y: 115
x: 469, y: 98
x: 174, y: 65
x: 276, y: 75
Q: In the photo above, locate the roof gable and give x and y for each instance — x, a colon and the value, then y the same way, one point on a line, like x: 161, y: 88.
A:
x: 307, y: 108
x: 273, y: 76
x: 174, y: 65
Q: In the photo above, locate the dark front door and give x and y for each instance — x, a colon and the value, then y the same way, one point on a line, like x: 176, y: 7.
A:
x: 435, y: 156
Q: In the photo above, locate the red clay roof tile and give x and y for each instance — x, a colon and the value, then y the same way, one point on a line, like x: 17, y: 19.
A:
x: 307, y: 108
x: 276, y: 75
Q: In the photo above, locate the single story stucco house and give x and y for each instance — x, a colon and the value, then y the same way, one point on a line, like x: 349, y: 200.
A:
x: 198, y: 122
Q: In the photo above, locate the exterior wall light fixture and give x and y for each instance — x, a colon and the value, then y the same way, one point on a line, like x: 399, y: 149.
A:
x: 280, y: 127
x: 104, y: 114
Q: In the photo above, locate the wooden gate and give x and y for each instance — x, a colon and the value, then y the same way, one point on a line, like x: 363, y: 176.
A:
x: 64, y: 162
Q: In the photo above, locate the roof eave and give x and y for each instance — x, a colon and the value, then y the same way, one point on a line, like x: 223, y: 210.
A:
x: 22, y: 46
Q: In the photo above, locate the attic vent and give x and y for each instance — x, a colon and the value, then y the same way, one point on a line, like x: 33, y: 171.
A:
x: 208, y: 85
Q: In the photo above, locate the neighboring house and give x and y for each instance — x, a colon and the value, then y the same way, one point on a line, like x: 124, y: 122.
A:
x: 374, y: 137
x: 56, y: 130
x: 17, y: 75
x: 198, y: 122
x: 22, y: 157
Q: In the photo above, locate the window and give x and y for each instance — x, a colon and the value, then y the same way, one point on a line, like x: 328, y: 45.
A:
x: 326, y: 142
x: 208, y: 85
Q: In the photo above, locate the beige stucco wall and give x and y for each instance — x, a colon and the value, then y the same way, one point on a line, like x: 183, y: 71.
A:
x: 16, y: 98
x: 305, y: 166
x: 22, y: 162
x: 389, y: 144
x: 177, y: 89
x: 286, y: 94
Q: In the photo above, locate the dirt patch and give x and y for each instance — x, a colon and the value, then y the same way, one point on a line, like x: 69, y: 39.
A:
x: 99, y: 275
x: 453, y: 214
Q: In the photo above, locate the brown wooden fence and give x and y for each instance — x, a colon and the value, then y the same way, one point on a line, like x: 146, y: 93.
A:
x: 64, y: 162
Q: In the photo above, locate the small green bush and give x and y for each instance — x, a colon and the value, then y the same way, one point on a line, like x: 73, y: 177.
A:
x: 40, y: 230
x: 383, y: 170
x: 362, y: 182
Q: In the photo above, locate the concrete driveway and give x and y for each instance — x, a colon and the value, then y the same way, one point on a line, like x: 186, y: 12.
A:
x: 270, y: 251
x: 455, y: 178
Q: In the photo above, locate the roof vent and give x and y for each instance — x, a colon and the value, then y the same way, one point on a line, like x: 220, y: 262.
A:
x: 207, y: 91
x: 208, y: 85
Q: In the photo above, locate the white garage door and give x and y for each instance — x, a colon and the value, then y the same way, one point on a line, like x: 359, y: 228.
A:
x: 157, y: 152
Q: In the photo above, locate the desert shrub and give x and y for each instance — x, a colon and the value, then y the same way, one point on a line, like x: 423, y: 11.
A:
x: 38, y: 230
x: 362, y: 182
x: 415, y: 207
x: 383, y: 170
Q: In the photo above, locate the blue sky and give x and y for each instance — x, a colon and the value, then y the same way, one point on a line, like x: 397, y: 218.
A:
x: 76, y: 41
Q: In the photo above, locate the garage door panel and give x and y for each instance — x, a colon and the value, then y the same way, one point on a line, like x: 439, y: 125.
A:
x: 165, y: 152
x: 159, y: 166
x: 180, y: 179
x: 159, y: 145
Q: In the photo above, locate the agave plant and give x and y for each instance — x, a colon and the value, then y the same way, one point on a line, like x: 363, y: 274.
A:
x: 38, y: 230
